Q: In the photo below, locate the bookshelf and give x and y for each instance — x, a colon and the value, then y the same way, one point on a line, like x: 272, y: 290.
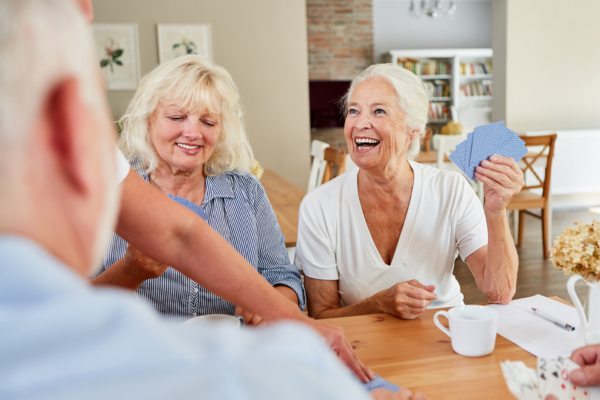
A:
x: 467, y: 74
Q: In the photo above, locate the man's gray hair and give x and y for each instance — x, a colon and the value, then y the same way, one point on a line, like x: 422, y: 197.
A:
x: 412, y: 98
x: 41, y: 43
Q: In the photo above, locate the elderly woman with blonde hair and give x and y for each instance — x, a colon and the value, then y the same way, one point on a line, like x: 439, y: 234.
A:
x: 384, y: 237
x: 183, y: 133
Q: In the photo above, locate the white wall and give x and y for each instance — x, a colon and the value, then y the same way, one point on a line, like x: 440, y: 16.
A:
x: 551, y: 57
x: 547, y: 71
x: 262, y: 43
x: 395, y: 29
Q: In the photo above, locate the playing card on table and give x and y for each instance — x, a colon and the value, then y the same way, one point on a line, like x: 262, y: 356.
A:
x: 380, y: 383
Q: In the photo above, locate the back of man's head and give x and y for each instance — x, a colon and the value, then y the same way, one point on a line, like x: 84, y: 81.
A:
x: 55, y: 147
x: 41, y: 42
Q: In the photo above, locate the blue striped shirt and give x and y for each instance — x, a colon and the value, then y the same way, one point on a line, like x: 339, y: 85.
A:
x: 236, y: 206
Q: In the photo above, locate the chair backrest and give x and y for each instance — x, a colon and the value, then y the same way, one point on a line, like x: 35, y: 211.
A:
x: 445, y: 145
x: 317, y: 170
x: 334, y: 157
x: 529, y: 161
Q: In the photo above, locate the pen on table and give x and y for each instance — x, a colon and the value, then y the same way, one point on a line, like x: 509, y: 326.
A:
x: 555, y: 321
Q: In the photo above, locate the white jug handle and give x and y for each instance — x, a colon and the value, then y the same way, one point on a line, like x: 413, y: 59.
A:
x: 437, y: 322
x: 575, y: 299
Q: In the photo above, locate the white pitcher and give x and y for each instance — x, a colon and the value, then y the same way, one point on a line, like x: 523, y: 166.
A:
x: 591, y: 323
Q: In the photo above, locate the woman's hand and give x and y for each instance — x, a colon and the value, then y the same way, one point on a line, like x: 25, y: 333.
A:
x: 502, y: 180
x: 250, y: 318
x: 404, y: 394
x: 406, y: 300
x: 139, y: 267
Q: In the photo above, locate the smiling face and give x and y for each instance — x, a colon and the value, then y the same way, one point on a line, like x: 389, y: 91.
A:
x: 184, y: 140
x: 375, y: 128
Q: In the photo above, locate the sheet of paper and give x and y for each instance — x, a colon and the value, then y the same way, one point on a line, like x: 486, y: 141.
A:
x: 519, y: 324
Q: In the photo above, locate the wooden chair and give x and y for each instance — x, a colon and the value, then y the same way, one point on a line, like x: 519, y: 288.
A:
x: 334, y: 157
x: 527, y: 200
x: 317, y: 151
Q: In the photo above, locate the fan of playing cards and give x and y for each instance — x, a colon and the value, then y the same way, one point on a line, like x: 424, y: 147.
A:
x: 485, y: 141
x: 552, y: 378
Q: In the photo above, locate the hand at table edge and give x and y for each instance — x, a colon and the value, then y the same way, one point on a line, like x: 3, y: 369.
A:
x: 339, y: 344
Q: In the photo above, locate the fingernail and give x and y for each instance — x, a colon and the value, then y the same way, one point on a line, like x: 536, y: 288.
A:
x: 494, y: 158
x: 485, y: 162
x: 578, y: 377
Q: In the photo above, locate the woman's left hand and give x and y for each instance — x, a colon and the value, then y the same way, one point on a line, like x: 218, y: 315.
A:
x: 502, y: 180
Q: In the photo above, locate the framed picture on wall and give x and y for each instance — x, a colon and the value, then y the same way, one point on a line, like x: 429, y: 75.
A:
x: 118, y: 53
x: 176, y: 40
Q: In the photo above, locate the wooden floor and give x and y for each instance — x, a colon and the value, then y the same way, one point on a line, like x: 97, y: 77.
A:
x: 536, y: 275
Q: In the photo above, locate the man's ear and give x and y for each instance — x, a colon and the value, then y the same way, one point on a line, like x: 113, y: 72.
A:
x: 66, y: 118
x: 87, y: 9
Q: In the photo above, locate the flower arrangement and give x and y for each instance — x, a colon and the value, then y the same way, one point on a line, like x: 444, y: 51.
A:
x: 256, y: 169
x: 577, y: 251
x: 452, y: 128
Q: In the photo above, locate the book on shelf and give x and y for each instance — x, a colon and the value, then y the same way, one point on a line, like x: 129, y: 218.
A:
x: 480, y: 88
x: 425, y: 67
x: 476, y: 68
x: 438, y: 110
x: 437, y: 88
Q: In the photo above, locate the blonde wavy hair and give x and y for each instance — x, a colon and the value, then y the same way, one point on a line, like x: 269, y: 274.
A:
x: 197, y: 85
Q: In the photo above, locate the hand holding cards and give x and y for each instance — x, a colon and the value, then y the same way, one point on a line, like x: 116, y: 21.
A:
x: 552, y: 378
x: 485, y: 141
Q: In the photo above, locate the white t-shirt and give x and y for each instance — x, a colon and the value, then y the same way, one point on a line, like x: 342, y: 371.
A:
x: 123, y: 166
x: 444, y: 215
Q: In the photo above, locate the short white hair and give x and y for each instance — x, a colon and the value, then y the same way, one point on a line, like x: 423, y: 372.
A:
x: 41, y: 43
x: 412, y: 98
x: 195, y: 84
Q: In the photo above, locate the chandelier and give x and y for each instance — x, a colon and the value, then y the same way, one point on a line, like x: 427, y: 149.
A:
x: 433, y: 8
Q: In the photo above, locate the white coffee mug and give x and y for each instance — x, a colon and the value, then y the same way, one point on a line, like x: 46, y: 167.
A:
x: 472, y: 329
x: 229, y: 321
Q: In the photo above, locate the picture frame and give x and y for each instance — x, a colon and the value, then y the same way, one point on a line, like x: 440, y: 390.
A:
x: 175, y: 40
x: 117, y: 47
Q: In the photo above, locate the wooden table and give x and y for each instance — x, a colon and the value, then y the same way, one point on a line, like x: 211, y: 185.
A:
x: 417, y: 355
x: 285, y: 197
x: 429, y: 157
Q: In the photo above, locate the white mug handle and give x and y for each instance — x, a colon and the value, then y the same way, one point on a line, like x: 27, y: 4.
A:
x: 437, y: 322
x: 571, y: 289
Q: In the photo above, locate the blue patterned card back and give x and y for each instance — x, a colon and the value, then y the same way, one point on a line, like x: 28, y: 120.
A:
x: 380, y: 383
x: 514, y: 148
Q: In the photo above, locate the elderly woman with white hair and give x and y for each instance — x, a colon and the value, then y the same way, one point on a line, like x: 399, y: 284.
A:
x: 383, y: 237
x: 183, y: 133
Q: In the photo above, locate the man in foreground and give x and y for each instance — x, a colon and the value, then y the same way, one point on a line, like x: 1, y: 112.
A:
x: 58, y: 201
x: 184, y: 241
